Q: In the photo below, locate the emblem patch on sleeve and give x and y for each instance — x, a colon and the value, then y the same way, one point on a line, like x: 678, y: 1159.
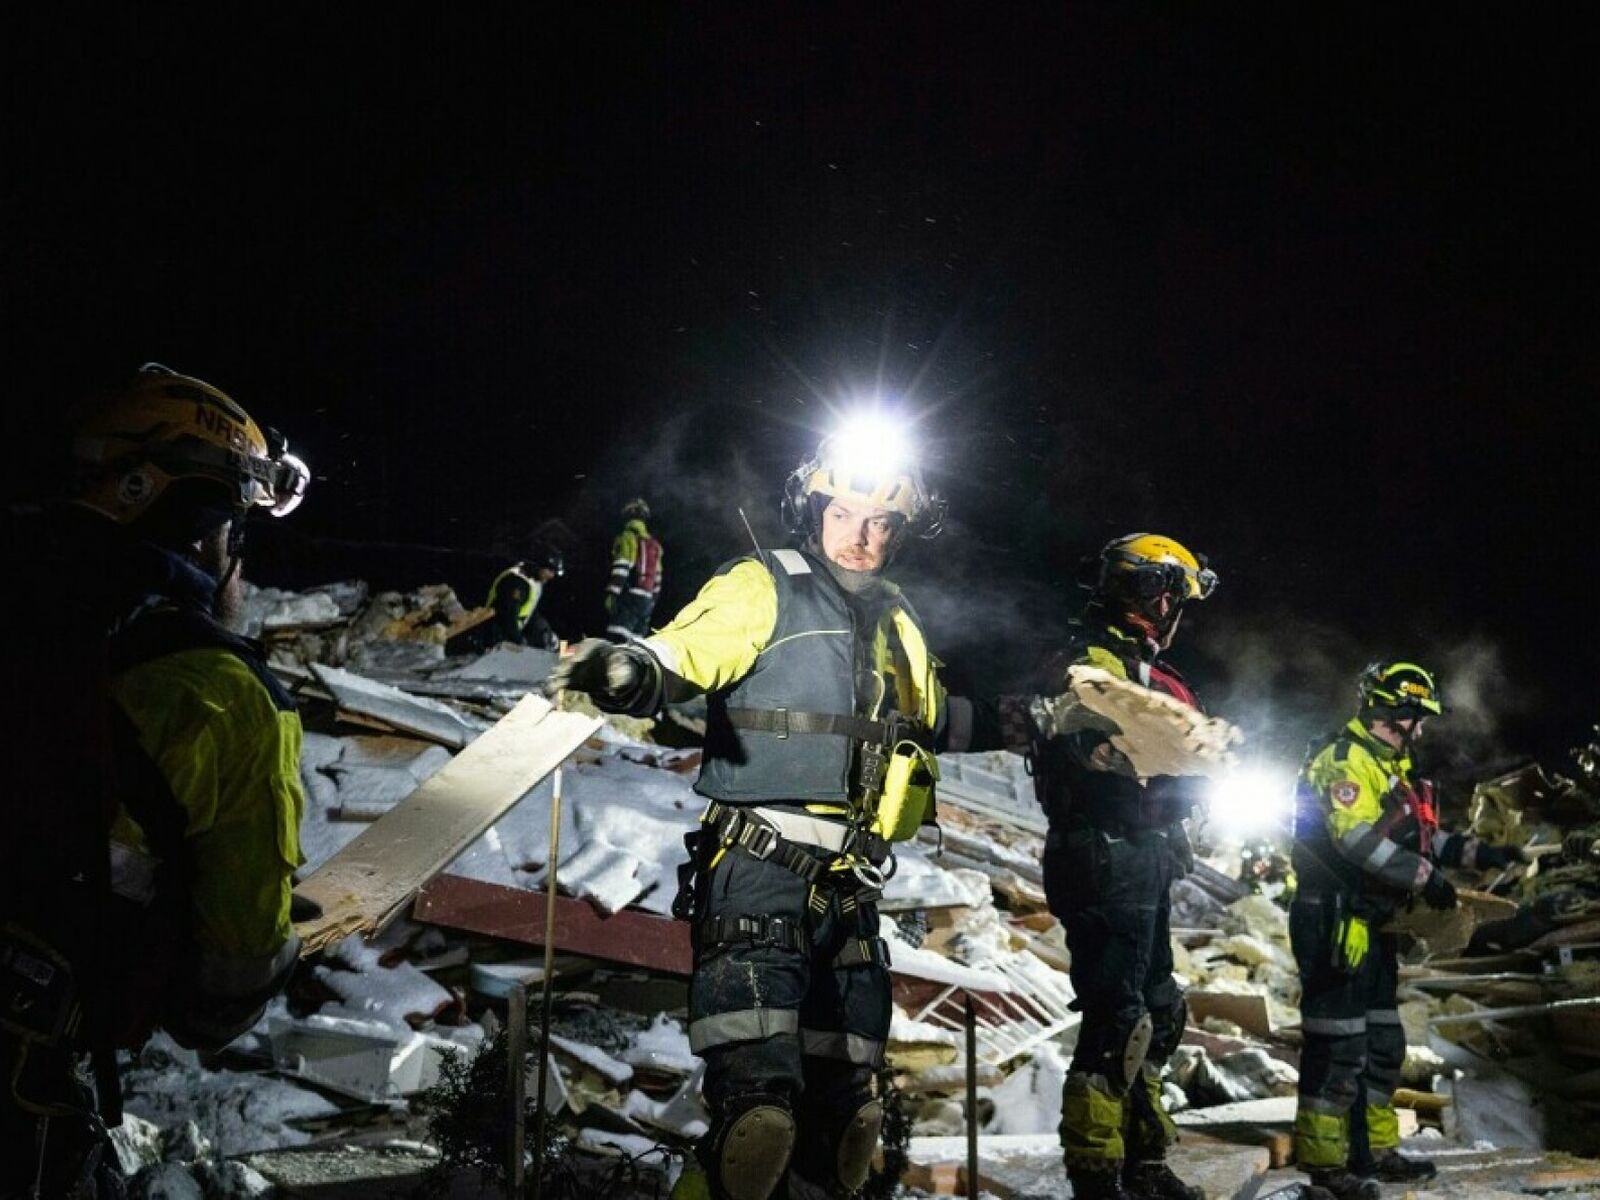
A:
x: 1345, y: 792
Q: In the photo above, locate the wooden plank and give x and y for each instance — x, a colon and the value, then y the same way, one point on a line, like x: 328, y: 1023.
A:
x: 1248, y: 1012
x: 362, y: 887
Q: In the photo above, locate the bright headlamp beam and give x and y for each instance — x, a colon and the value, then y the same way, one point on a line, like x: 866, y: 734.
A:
x: 1252, y: 799
x: 869, y: 444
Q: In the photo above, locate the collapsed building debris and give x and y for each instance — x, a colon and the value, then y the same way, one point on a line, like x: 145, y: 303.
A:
x: 423, y: 752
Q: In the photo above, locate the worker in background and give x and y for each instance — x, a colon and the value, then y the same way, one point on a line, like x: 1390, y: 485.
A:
x: 1367, y: 841
x: 635, y: 575
x: 152, y: 826
x: 515, y: 594
x: 1115, y: 846
x: 824, y: 709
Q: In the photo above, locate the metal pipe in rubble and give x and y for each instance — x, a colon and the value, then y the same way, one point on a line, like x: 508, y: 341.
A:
x: 548, y: 1000
x: 972, y: 1099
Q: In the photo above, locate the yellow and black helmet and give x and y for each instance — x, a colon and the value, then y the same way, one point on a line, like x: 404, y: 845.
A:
x: 1401, y: 689
x: 636, y: 509
x: 1148, y: 565
x: 164, y: 429
x: 868, y: 463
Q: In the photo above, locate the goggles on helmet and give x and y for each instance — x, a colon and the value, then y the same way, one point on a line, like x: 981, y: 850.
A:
x: 1148, y: 579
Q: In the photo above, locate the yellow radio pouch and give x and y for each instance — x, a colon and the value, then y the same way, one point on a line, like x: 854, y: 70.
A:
x: 907, y: 796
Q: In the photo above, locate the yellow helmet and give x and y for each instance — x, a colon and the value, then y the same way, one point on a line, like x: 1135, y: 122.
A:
x: 165, y: 428
x: 866, y: 462
x: 1148, y: 564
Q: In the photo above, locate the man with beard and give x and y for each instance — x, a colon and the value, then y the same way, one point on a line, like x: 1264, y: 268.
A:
x: 824, y: 708
x: 153, y: 825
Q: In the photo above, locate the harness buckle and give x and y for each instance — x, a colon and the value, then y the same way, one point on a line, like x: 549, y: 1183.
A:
x: 868, y: 876
x: 780, y: 720
x: 758, y: 840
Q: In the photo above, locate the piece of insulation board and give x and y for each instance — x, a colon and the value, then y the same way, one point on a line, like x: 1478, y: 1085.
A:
x: 399, y: 710
x: 362, y: 887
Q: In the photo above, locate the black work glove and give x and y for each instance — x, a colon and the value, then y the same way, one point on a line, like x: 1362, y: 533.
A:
x: 1498, y: 858
x: 1439, y: 893
x: 1578, y: 846
x: 618, y: 678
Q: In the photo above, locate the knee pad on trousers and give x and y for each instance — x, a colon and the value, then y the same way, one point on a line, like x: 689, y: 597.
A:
x: 751, y: 1152
x: 1135, y: 1046
x: 858, y: 1141
x: 1171, y: 1038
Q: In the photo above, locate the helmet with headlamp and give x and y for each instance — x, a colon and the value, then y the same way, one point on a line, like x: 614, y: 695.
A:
x: 868, y: 462
x: 167, y: 432
x: 1399, y: 690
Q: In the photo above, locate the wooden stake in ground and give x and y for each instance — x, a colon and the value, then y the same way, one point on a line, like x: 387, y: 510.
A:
x: 548, y: 999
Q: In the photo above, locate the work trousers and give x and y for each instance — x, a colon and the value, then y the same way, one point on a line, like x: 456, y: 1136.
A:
x: 1112, y: 893
x: 630, y: 616
x: 1352, y: 1046
x: 785, y: 1025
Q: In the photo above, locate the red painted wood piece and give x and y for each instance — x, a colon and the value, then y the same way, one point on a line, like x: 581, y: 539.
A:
x: 636, y: 939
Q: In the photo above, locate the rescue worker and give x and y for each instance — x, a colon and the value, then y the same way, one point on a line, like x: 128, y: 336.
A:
x: 823, y: 708
x: 1367, y: 841
x: 515, y: 594
x: 147, y: 862
x: 635, y: 575
x: 1116, y: 844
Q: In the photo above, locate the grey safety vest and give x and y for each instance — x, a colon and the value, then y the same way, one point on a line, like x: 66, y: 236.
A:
x: 808, y: 666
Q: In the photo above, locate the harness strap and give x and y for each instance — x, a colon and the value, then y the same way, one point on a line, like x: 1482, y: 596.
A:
x: 859, y: 951
x: 760, y: 930
x: 735, y: 828
x: 787, y: 721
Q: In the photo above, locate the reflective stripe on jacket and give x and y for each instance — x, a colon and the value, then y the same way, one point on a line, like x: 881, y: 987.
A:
x: 1361, y: 823
x: 635, y: 561
x: 783, y: 635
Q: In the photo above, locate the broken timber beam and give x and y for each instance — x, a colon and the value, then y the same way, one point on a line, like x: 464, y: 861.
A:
x: 365, y: 885
x: 635, y: 939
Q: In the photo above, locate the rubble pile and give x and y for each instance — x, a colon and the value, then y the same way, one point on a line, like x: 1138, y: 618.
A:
x: 342, y: 1065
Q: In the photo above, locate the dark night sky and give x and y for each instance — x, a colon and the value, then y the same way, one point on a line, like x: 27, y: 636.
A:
x: 1314, y: 295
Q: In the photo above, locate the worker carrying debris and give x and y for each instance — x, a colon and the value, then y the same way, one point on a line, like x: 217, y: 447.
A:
x: 1115, y: 846
x: 148, y: 860
x: 1367, y: 840
x: 824, y: 712
x: 515, y: 594
x: 635, y: 581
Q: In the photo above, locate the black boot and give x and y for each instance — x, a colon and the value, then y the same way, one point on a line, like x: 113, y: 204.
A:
x: 1343, y: 1185
x: 1393, y: 1167
x: 1098, y: 1182
x: 1156, y: 1181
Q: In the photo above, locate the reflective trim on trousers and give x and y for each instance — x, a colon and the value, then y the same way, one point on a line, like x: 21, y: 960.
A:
x: 1320, y: 1104
x: 228, y: 977
x: 1334, y: 1026
x: 847, y: 1047
x: 746, y: 1025
x: 1380, y: 1016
